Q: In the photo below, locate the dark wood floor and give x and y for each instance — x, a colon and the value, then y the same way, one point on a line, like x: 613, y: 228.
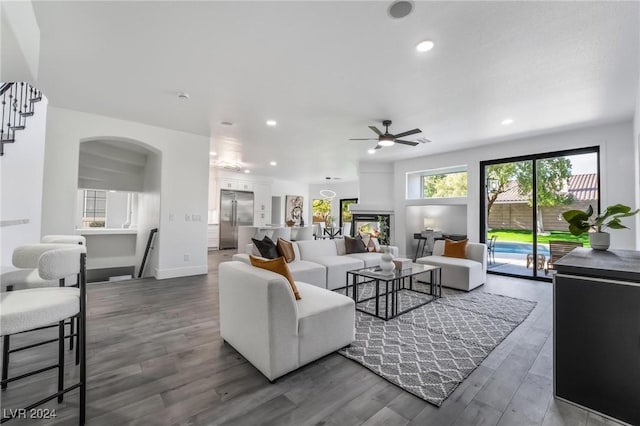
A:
x: 155, y: 357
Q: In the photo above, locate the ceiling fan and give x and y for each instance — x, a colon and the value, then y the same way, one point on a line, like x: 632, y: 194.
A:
x: 387, y: 139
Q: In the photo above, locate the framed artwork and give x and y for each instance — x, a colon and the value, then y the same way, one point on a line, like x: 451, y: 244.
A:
x: 293, y: 205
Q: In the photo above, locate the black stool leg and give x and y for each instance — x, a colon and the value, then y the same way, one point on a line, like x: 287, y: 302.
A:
x: 72, y: 325
x: 60, y: 360
x: 77, y: 320
x: 5, y: 360
x: 82, y: 344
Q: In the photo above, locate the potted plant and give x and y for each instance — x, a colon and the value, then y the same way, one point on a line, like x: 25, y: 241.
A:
x: 582, y: 221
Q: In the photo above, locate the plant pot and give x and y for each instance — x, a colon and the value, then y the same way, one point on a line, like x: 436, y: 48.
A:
x: 599, y: 240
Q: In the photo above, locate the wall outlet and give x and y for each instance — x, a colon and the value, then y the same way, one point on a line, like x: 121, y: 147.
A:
x: 187, y: 257
x: 187, y: 218
x: 196, y: 217
x: 171, y: 217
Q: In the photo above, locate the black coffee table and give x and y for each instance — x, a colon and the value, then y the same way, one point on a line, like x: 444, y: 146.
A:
x: 388, y: 295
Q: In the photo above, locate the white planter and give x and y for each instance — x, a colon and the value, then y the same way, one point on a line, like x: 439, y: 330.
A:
x: 599, y: 240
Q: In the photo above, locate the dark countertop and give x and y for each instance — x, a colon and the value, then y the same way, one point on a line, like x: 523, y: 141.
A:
x: 621, y: 265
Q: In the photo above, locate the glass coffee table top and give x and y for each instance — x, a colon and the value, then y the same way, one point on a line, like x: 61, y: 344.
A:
x: 387, y: 295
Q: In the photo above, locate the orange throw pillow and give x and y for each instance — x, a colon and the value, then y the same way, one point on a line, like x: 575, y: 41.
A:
x: 285, y: 249
x: 279, y: 266
x: 455, y: 249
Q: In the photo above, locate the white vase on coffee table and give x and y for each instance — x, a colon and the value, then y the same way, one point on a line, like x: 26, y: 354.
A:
x: 386, y: 261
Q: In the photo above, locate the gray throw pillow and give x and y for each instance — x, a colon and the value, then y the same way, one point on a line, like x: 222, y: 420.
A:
x: 354, y: 245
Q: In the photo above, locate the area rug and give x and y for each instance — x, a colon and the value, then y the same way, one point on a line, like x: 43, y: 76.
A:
x: 430, y: 350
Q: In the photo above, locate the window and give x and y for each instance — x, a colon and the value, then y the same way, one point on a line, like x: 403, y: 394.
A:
x: 94, y: 208
x: 444, y: 185
x: 98, y: 208
x: 321, y: 209
x: 450, y: 182
x: 345, y: 216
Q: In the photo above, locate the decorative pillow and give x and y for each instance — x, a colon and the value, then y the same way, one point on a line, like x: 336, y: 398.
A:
x: 376, y: 245
x: 279, y: 266
x: 285, y: 249
x: 366, y: 238
x: 340, y: 248
x: 266, y: 247
x: 354, y: 245
x: 455, y: 249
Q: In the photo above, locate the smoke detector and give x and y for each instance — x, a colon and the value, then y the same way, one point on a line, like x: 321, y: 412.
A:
x: 400, y: 9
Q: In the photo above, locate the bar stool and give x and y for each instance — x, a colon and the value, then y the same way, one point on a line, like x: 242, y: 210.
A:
x: 34, y: 309
x: 27, y: 277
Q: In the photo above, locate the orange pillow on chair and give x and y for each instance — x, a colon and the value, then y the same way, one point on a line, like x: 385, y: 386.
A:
x: 455, y: 249
x: 279, y: 266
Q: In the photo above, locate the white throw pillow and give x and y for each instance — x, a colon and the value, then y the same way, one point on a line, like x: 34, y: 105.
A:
x: 340, y: 247
x: 374, y: 245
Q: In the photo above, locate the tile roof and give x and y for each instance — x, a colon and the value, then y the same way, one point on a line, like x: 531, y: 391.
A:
x: 582, y: 187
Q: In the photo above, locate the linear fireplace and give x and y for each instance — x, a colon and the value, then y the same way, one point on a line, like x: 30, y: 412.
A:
x: 377, y: 225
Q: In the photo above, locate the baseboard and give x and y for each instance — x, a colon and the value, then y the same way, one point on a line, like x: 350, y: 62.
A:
x: 103, y: 274
x: 187, y: 271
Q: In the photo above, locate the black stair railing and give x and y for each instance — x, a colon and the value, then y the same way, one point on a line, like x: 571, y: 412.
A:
x: 17, y: 103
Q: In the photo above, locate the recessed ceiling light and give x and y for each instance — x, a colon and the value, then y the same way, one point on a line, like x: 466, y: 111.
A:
x: 371, y: 151
x: 271, y: 123
x: 183, y: 95
x: 247, y: 171
x: 273, y: 163
x: 424, y: 46
x: 507, y: 121
x: 213, y: 153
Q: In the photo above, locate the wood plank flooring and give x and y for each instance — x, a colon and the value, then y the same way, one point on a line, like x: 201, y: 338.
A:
x: 155, y: 357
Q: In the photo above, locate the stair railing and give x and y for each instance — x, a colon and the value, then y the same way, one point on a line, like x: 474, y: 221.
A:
x: 17, y: 103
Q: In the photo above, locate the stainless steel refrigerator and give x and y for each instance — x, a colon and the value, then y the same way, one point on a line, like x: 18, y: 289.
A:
x: 236, y: 209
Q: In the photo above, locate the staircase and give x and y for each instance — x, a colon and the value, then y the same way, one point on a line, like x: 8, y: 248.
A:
x: 17, y: 101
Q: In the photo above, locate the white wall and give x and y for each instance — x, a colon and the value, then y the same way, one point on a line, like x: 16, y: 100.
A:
x: 349, y: 189
x: 282, y: 188
x: 20, y: 35
x: 149, y: 215
x: 377, y: 184
x: 636, y: 133
x: 21, y: 184
x: 116, y: 209
x: 617, y: 171
x: 184, y: 176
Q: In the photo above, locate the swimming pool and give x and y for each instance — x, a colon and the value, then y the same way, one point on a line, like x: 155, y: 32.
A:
x: 521, y: 248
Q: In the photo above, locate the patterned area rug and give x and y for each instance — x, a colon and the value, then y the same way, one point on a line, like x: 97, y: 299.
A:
x: 430, y: 350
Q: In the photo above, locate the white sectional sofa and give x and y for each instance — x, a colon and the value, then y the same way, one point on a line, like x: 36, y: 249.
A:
x: 323, y: 263
x: 462, y: 274
x: 261, y: 319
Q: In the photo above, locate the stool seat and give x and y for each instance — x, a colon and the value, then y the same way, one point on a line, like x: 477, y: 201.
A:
x: 24, y: 310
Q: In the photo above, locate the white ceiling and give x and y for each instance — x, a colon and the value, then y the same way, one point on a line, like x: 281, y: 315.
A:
x: 326, y: 70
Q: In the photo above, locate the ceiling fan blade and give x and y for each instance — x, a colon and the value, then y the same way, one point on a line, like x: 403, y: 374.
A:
x: 406, y: 142
x: 375, y: 130
x: 407, y: 133
x: 378, y: 147
x: 364, y: 139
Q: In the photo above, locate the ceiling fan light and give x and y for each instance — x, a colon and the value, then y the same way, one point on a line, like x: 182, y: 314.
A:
x: 386, y: 141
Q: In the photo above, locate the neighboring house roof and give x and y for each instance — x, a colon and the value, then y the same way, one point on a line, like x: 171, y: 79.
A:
x: 582, y: 187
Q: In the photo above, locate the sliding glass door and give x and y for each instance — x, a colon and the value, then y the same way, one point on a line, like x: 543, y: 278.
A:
x: 522, y: 202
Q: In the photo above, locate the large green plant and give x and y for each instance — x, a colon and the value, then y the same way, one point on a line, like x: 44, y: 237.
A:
x: 582, y: 221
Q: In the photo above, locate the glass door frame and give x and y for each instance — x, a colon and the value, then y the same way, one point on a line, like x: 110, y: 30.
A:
x: 534, y: 209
